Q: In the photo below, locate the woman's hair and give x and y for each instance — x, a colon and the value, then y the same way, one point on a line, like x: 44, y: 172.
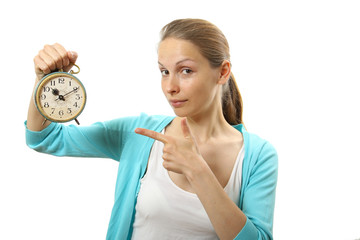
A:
x: 214, y: 47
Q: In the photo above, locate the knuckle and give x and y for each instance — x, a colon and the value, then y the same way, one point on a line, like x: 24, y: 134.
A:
x: 151, y: 134
x: 165, y: 164
x: 52, y: 65
x: 47, y: 46
x: 154, y: 134
x: 46, y: 71
x: 58, y: 45
x: 170, y: 139
x: 168, y: 148
x: 59, y: 62
x: 63, y: 54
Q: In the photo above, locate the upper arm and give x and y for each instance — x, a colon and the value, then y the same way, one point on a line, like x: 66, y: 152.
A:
x: 259, y: 192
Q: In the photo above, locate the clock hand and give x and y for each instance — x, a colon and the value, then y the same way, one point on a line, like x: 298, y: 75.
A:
x: 75, y: 89
x: 62, y: 97
x: 55, y: 91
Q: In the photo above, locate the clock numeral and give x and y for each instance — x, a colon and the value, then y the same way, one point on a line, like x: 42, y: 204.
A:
x: 52, y: 110
x: 77, y: 97
x: 46, y: 104
x: 76, y: 104
x: 61, y: 113
x: 46, y: 89
x: 61, y: 80
x: 43, y: 96
x: 70, y: 83
x: 52, y: 83
x: 69, y: 111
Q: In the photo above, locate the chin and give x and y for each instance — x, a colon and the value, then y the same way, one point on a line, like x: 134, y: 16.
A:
x: 180, y: 112
x: 183, y: 112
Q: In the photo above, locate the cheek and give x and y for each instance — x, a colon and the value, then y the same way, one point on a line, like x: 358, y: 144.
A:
x: 206, y: 92
x: 163, y: 86
x: 202, y: 86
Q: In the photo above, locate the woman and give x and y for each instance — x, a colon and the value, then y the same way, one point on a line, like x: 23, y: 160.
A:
x: 198, y: 175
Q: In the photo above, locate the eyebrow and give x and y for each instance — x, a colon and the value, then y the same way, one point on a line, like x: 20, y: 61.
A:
x: 177, y: 63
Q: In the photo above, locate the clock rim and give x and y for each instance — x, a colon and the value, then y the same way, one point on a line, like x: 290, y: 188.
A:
x: 37, y: 94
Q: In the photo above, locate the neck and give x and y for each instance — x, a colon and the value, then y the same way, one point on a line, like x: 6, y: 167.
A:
x: 207, y: 126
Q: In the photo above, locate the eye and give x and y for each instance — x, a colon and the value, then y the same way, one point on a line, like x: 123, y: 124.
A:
x: 164, y: 72
x: 187, y: 71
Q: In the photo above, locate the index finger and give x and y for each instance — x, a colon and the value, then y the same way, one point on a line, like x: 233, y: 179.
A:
x: 151, y: 134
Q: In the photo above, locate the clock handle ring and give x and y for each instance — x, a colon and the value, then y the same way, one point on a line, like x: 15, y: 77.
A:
x: 73, y: 72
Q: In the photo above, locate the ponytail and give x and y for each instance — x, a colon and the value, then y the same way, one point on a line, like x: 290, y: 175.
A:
x: 232, y: 105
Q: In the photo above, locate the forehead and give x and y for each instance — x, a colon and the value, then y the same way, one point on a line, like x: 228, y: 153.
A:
x: 172, y: 50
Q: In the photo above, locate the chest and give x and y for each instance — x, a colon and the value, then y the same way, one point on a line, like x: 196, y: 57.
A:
x: 221, y: 159
x: 162, y: 203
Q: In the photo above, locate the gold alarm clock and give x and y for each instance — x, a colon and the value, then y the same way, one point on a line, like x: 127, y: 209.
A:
x: 60, y: 96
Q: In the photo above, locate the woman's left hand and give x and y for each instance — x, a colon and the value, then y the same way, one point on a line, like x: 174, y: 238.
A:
x: 180, y: 154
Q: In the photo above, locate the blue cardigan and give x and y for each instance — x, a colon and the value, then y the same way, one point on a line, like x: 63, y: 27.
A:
x: 117, y: 140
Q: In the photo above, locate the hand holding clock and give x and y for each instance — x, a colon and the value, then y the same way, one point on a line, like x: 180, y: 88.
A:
x: 49, y: 59
x: 53, y: 57
x: 53, y: 80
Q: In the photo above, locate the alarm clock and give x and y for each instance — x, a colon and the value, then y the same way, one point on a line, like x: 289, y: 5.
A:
x: 60, y: 96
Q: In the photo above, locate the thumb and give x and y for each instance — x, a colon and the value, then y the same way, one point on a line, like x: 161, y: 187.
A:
x: 186, y: 129
x: 72, y: 56
x: 188, y: 135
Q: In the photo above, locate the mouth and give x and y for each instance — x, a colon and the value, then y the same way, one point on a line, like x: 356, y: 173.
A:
x: 177, y: 103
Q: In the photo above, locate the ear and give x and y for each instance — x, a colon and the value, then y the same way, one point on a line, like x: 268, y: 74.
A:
x: 225, y: 71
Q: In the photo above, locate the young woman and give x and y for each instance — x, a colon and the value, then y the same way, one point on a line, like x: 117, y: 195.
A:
x: 198, y: 175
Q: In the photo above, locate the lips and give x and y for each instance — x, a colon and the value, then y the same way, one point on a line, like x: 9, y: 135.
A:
x: 177, y: 103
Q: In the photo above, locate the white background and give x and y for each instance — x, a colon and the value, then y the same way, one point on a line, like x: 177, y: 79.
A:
x: 297, y: 64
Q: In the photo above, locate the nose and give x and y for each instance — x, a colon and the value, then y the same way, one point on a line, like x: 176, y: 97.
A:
x: 172, y: 85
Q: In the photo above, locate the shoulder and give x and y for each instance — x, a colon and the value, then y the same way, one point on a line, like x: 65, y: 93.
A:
x: 260, y: 160
x: 259, y: 151
x: 255, y: 145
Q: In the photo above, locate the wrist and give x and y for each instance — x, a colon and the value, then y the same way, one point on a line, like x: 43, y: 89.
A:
x: 198, y: 172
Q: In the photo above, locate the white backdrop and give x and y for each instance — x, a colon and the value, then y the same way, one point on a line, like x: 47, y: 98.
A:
x: 297, y: 64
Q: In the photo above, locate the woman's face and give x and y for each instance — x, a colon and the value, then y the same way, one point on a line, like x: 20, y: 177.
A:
x: 189, y: 83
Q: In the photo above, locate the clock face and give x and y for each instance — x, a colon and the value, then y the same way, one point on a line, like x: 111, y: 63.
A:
x: 60, y: 97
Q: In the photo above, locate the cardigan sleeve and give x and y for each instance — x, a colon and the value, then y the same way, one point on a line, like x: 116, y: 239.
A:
x: 258, y: 193
x: 100, y: 140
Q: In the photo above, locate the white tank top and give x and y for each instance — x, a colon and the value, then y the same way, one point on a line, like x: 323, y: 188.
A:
x: 165, y: 211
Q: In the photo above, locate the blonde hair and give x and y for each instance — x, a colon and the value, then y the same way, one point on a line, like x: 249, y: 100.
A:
x: 213, y: 46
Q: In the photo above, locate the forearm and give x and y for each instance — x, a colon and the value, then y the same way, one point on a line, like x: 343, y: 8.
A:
x: 225, y: 216
x: 35, y: 121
